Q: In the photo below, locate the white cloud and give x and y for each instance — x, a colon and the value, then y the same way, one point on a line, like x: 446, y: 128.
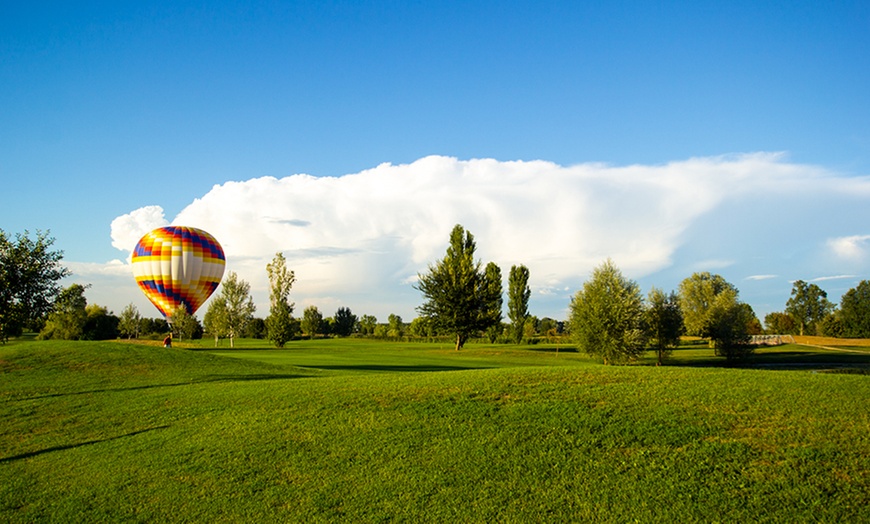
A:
x: 361, y: 239
x: 128, y: 229
x: 833, y: 277
x: 761, y: 277
x: 851, y: 247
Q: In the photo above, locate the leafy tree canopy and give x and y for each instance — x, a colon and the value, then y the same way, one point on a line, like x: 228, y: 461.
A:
x: 664, y: 320
x: 30, y: 274
x: 607, y: 316
x: 855, y: 311
x: 807, y: 305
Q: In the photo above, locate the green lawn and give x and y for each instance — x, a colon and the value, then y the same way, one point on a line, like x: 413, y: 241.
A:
x: 354, y: 430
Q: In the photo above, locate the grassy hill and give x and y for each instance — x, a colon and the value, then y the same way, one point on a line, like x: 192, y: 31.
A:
x: 363, y: 431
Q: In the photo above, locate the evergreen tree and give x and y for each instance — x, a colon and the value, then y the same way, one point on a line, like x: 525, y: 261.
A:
x: 460, y: 299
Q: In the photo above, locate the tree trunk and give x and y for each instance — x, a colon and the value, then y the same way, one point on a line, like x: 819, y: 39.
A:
x: 459, y: 342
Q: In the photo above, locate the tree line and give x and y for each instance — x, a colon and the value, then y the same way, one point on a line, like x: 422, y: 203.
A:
x: 463, y: 299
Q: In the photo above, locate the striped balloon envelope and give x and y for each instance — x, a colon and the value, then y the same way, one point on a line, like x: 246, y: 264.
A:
x: 178, y: 266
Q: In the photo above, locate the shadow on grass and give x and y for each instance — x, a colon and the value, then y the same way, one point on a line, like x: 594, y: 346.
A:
x: 197, y: 380
x: 771, y: 359
x: 77, y: 445
x: 552, y: 349
x: 393, y: 368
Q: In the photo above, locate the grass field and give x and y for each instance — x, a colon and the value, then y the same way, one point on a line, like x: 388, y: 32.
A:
x: 354, y: 430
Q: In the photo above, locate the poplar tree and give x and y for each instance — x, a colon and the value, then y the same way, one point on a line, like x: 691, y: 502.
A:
x: 518, y: 300
x: 281, y: 327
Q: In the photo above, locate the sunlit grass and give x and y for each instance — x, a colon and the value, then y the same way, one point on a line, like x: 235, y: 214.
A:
x: 369, y: 431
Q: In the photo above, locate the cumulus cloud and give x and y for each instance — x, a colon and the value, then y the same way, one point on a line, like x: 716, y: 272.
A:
x: 361, y: 239
x: 128, y: 229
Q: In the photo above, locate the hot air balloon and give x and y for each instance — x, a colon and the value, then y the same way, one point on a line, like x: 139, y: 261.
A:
x: 177, y: 265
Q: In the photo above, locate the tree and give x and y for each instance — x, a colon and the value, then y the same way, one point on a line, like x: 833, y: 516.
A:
x: 728, y: 327
x: 807, y: 305
x: 130, y: 322
x: 779, y: 323
x: 30, y: 273
x: 67, y: 320
x: 832, y: 325
x: 855, y: 311
x: 256, y: 328
x: 664, y: 320
x: 459, y: 297
x: 345, y: 322
x: 153, y: 326
x: 367, y: 324
x: 607, y: 316
x: 697, y: 295
x: 518, y: 300
x: 493, y: 297
x: 235, y: 294
x: 281, y: 327
x: 100, y: 324
x: 215, y: 320
x: 395, y: 326
x: 421, y: 327
x: 311, y: 321
x: 184, y: 325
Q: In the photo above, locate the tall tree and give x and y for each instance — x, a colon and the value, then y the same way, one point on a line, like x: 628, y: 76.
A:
x: 345, y: 322
x: 664, y: 320
x: 67, y: 320
x: 236, y: 296
x: 312, y: 320
x: 712, y: 310
x: 184, y: 325
x: 100, y: 323
x: 494, y: 299
x: 519, y: 293
x: 697, y: 295
x: 130, y: 321
x: 808, y: 305
x: 280, y: 324
x: 460, y: 298
x: 367, y: 324
x: 395, y: 326
x: 854, y: 315
x: 607, y: 316
x: 729, y: 324
x: 215, y: 320
x: 779, y: 323
x: 30, y: 274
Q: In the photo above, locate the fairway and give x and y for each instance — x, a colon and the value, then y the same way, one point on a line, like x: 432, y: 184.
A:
x: 355, y: 430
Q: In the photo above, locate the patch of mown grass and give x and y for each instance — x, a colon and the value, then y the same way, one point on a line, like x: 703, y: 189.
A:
x: 191, y: 436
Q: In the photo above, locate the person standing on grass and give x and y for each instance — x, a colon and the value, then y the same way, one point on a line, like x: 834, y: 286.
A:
x: 167, y: 342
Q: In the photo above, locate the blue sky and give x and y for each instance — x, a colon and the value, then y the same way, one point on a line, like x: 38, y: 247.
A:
x: 752, y: 115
